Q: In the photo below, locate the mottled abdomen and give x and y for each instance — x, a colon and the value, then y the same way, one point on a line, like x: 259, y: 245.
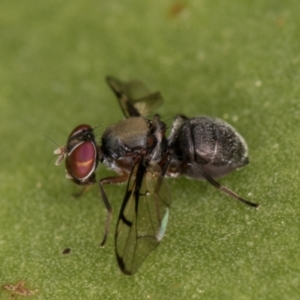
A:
x: 204, y: 143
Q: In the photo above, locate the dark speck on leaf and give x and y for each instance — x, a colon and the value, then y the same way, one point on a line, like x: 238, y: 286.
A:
x: 66, y: 251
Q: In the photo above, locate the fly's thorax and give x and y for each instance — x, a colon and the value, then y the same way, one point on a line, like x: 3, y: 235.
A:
x: 133, y: 137
x: 125, y: 136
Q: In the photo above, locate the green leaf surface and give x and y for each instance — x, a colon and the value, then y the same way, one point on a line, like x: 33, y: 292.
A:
x: 236, y: 60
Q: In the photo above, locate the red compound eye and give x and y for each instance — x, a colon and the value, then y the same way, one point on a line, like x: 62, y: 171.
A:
x: 81, y: 162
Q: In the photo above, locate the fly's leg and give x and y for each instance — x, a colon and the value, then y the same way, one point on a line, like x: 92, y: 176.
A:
x: 227, y: 191
x: 109, y: 180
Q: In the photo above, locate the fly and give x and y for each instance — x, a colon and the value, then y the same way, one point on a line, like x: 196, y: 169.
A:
x: 138, y: 150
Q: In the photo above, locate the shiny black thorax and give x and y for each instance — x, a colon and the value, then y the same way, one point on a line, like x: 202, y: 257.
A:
x: 205, y: 143
x: 133, y: 137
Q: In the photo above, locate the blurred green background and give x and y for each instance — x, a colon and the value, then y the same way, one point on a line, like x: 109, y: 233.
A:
x: 235, y: 60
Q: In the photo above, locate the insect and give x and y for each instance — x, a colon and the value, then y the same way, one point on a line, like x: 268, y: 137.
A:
x: 134, y: 148
x: 137, y: 149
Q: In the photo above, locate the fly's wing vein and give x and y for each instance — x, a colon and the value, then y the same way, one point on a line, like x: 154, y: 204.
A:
x: 143, y: 217
x: 134, y: 98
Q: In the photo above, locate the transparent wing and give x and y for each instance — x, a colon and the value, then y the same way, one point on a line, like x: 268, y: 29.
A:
x: 143, y: 217
x: 134, y: 98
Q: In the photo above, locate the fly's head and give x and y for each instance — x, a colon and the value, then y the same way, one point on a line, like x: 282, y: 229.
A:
x: 81, y: 155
